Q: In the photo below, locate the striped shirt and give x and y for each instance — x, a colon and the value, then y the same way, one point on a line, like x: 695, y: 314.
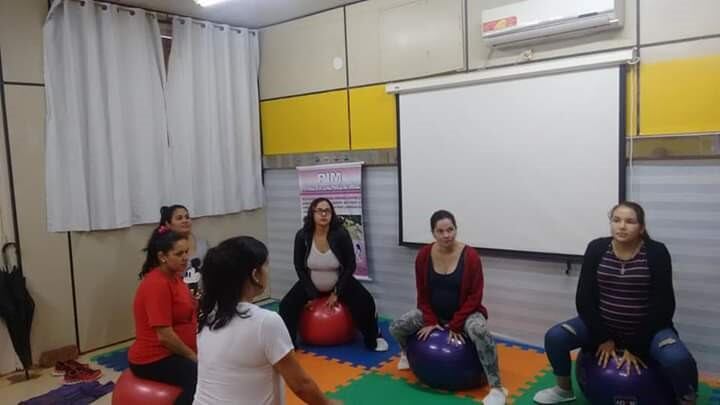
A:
x: 624, y: 287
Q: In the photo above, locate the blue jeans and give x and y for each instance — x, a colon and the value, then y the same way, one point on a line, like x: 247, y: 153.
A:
x: 676, y: 362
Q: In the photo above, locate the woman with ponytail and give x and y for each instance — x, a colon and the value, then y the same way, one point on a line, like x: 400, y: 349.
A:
x: 245, y: 351
x: 165, y: 316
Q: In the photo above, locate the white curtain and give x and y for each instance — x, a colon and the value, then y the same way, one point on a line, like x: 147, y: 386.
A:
x: 213, y: 118
x: 107, y: 159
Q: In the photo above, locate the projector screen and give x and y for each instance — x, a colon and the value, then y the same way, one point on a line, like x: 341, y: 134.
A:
x: 526, y: 165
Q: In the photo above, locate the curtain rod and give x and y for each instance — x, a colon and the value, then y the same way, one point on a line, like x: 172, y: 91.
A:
x: 167, y: 17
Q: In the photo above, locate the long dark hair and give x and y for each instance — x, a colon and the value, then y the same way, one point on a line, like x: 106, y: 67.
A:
x: 309, y: 220
x: 167, y: 211
x: 639, y: 213
x: 225, y: 271
x: 162, y: 240
x: 440, y: 215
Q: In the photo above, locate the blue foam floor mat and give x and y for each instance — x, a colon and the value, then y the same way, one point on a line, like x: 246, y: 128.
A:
x: 355, y: 353
x: 715, y: 397
x: 116, y: 360
x: 515, y: 343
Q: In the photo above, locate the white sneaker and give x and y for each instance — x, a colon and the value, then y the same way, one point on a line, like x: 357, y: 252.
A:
x: 403, y: 363
x: 382, y: 345
x: 554, y: 395
x: 496, y: 396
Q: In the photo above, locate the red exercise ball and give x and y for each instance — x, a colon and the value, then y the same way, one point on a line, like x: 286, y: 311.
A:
x: 131, y: 390
x: 321, y: 325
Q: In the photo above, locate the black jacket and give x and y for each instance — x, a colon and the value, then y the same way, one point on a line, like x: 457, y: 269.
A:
x: 662, y: 296
x: 340, y: 244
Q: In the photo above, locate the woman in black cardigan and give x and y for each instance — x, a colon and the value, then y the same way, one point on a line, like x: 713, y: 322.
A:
x: 625, y: 301
x: 325, y: 262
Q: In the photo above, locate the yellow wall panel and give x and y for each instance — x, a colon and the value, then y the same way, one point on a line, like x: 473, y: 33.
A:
x: 373, y: 120
x: 680, y: 96
x: 302, y: 124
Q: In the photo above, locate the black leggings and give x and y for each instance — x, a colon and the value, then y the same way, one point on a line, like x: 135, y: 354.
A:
x: 173, y: 370
x: 358, y: 300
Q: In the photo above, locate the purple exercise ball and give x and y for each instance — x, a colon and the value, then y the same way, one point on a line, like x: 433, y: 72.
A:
x: 445, y: 365
x: 610, y: 386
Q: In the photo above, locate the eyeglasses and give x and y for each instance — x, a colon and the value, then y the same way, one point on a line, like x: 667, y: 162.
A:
x: 322, y: 211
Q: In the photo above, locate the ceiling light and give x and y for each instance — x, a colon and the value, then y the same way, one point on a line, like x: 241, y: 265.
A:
x: 208, y: 3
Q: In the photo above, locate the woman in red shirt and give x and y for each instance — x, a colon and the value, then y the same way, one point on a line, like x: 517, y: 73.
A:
x: 449, y: 280
x: 165, y: 313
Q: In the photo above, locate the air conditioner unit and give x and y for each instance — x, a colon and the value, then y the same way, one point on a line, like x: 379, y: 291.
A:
x: 533, y: 21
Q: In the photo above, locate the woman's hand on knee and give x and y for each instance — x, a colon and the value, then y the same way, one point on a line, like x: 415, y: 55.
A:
x: 455, y: 337
x: 605, y: 351
x: 423, y: 333
x: 332, y: 300
x: 632, y: 361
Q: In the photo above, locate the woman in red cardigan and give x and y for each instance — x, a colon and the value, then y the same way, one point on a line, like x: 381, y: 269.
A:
x: 449, y: 280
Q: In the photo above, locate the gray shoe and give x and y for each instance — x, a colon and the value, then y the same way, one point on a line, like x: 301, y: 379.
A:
x: 554, y: 395
x: 382, y: 345
x: 403, y: 363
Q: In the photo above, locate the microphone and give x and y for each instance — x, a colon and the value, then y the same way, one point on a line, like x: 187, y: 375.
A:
x: 194, y: 284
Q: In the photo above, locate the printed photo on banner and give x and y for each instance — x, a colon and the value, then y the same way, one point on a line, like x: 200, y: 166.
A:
x: 340, y: 183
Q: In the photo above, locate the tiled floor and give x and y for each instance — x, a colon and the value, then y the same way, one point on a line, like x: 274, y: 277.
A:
x: 357, y: 376
x: 14, y: 393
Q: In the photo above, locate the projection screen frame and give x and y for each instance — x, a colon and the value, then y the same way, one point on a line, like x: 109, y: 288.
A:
x: 522, y: 254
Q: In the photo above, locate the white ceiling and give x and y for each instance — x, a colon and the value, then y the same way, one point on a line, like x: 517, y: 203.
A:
x: 243, y: 13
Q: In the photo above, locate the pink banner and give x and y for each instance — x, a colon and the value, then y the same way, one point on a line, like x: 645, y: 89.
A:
x: 340, y: 183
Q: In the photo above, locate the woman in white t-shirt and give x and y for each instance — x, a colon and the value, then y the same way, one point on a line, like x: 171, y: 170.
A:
x: 244, y: 351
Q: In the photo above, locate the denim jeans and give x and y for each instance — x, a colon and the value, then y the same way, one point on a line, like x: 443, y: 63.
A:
x: 676, y: 362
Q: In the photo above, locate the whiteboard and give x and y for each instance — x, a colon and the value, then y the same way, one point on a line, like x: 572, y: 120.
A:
x: 526, y: 165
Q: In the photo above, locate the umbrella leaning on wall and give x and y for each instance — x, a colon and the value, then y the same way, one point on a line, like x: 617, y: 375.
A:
x: 17, y: 307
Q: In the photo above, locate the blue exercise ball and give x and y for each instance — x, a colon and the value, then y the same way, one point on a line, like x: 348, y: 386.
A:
x: 610, y: 386
x: 445, y: 365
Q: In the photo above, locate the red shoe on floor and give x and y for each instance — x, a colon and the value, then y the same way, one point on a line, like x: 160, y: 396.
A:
x: 80, y: 375
x: 61, y: 367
